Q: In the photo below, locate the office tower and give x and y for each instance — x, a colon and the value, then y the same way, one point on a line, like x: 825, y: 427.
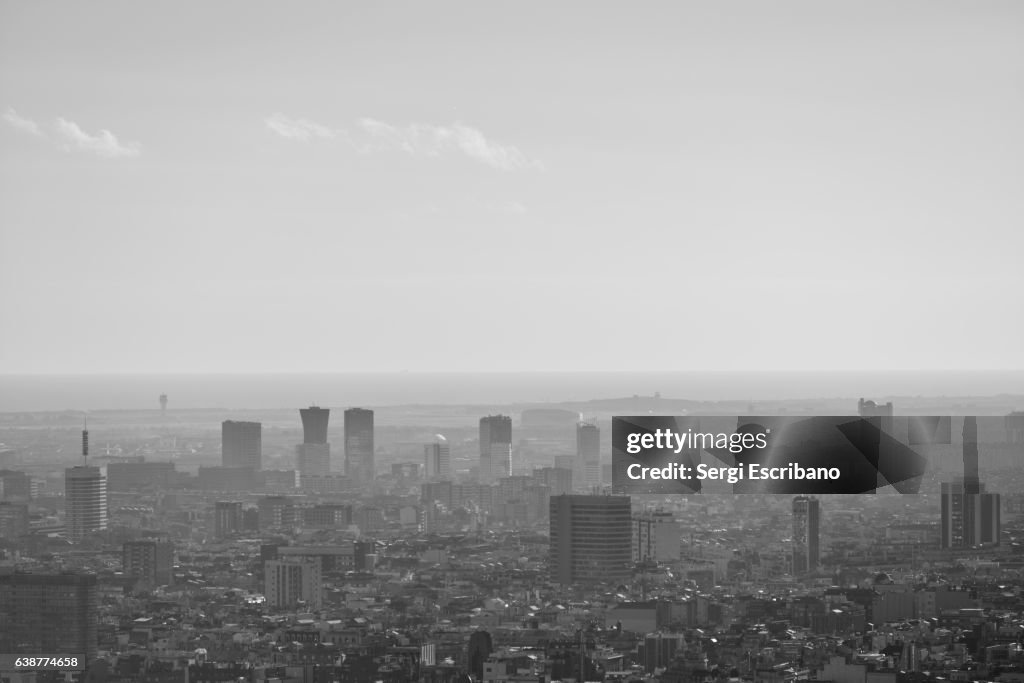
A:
x: 13, y: 520
x: 588, y: 455
x: 163, y: 404
x: 148, y: 561
x: 85, y: 497
x: 656, y: 537
x: 241, y: 444
x: 359, y: 464
x: 437, y: 459
x: 15, y: 486
x: 970, y: 516
x: 227, y: 518
x: 293, y: 580
x: 479, y: 649
x: 313, y: 455
x: 557, y: 479
x: 1014, y: 423
x: 591, y: 539
x: 806, y: 534
x: 48, y: 614
x: 495, y: 448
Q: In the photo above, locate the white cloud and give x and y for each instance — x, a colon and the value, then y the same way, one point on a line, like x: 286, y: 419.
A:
x: 417, y: 139
x: 104, y: 143
x: 431, y: 140
x: 302, y: 130
x: 20, y: 123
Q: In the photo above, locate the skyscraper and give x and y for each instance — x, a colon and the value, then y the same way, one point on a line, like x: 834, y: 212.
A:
x: 48, y: 613
x: 588, y: 455
x: 359, y: 463
x: 495, y: 448
x: 970, y: 517
x: 806, y: 534
x: 437, y: 460
x: 241, y: 444
x: 591, y: 539
x: 85, y: 496
x: 313, y: 455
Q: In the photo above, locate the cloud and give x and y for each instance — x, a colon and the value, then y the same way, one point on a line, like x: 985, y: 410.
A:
x: 104, y: 143
x: 302, y: 130
x: 417, y: 139
x: 20, y: 123
x: 431, y: 140
x: 69, y: 136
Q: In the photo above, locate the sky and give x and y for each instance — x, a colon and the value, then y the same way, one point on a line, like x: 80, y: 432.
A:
x: 510, y: 186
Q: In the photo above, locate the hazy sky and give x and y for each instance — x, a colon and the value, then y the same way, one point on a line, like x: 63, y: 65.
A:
x: 246, y: 186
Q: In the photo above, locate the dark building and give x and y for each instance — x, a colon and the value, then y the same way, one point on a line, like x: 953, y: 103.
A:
x: 480, y: 648
x: 13, y: 520
x: 227, y: 518
x: 495, y: 448
x: 359, y: 463
x: 558, y: 479
x: 588, y: 455
x: 313, y: 455
x: 591, y: 539
x: 241, y: 444
x: 15, y: 486
x: 806, y: 534
x: 148, y: 561
x: 970, y: 517
x: 48, y: 613
x: 314, y: 424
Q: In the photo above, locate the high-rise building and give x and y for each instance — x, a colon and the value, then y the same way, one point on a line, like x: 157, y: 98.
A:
x: 313, y: 455
x: 241, y: 444
x: 588, y: 455
x: 293, y: 580
x: 85, y: 501
x: 48, y: 613
x: 13, y: 520
x: 495, y: 448
x: 277, y: 512
x: 314, y: 424
x: 437, y: 459
x: 359, y: 463
x: 806, y: 534
x: 970, y: 516
x: 149, y: 561
x: 227, y: 518
x: 656, y: 537
x: 590, y: 539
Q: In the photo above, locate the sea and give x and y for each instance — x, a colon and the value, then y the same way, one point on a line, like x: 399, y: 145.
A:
x: 33, y: 393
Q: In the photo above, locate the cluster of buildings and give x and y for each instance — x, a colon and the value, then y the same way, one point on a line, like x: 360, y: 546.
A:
x: 432, y: 572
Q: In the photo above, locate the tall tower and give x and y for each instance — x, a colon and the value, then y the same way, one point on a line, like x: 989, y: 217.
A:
x: 241, y: 444
x: 591, y: 539
x: 359, y: 463
x: 163, y: 404
x: 437, y: 459
x: 495, y: 448
x: 806, y: 534
x: 314, y: 453
x: 85, y: 496
x: 970, y: 516
x: 588, y: 455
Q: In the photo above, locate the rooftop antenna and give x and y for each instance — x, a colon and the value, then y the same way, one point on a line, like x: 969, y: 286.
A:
x: 85, y: 441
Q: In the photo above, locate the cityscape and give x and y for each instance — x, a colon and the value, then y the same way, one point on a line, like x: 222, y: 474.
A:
x: 172, y: 548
